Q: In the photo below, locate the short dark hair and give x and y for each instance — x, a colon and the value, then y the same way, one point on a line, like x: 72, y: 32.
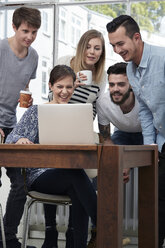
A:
x: 125, y: 21
x: 31, y: 16
x: 59, y: 72
x: 118, y: 68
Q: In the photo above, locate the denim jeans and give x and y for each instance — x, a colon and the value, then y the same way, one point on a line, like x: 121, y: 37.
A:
x: 15, y: 202
x: 16, y: 199
x: 125, y: 138
x: 76, y: 184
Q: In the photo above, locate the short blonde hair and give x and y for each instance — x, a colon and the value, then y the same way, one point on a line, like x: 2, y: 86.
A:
x: 77, y: 62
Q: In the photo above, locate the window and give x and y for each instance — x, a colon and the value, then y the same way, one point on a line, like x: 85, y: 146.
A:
x: 75, y: 29
x: 45, y: 78
x: 44, y: 82
x: 62, y: 24
x: 45, y: 22
x: 2, y: 26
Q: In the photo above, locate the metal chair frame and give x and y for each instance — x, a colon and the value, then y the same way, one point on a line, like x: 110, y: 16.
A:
x: 2, y: 228
x: 38, y: 197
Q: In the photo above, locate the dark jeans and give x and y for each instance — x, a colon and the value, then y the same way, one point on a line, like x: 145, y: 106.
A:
x: 76, y: 184
x: 161, y: 198
x: 125, y: 138
x: 16, y: 199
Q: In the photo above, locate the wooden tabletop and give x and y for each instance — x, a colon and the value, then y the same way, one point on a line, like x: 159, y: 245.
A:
x: 110, y: 161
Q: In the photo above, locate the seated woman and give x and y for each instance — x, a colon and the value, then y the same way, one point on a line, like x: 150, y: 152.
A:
x: 71, y: 182
x: 90, y: 55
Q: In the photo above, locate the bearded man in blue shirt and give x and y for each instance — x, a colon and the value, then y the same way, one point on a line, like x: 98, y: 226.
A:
x: 146, y: 74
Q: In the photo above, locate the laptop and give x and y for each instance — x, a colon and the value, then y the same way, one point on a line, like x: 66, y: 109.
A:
x: 65, y: 124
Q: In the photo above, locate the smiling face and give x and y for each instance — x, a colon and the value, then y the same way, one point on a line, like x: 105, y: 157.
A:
x: 93, y: 52
x: 128, y: 48
x: 119, y: 88
x: 25, y: 34
x: 62, y: 90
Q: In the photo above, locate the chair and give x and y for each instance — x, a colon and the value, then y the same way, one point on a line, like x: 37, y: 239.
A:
x: 34, y: 196
x: 2, y: 228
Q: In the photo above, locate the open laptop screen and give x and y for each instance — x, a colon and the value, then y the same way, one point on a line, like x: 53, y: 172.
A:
x: 65, y: 124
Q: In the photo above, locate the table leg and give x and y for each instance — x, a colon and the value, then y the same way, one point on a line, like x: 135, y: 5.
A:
x: 110, y: 199
x: 148, y: 205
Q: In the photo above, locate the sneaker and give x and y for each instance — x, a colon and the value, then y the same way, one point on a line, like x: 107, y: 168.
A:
x: 92, y: 241
x: 14, y: 243
x: 126, y: 241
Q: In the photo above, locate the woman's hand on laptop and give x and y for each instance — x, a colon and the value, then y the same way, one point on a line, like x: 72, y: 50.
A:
x: 24, y: 141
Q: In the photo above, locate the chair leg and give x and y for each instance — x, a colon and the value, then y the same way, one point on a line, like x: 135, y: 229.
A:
x: 26, y: 221
x: 2, y: 228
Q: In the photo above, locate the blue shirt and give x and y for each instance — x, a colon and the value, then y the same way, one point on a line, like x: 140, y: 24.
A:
x: 148, y: 83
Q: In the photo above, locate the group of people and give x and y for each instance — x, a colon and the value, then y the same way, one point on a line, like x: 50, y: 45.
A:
x: 133, y: 104
x: 18, y: 56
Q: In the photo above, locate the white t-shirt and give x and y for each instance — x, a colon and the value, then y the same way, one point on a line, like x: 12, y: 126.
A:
x: 109, y: 112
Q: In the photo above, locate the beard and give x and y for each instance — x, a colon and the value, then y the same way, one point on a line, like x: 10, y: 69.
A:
x: 125, y: 97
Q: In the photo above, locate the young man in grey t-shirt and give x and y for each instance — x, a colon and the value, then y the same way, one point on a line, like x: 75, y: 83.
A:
x: 18, y: 64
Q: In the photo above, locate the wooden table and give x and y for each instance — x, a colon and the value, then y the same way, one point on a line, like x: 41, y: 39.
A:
x: 110, y: 160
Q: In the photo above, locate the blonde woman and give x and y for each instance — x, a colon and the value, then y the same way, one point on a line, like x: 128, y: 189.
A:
x: 90, y: 55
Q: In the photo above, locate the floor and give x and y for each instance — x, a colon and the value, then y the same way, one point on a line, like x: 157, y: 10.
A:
x: 38, y: 243
x: 61, y: 244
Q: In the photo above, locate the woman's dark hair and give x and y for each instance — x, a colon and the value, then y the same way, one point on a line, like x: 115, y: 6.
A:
x: 59, y: 72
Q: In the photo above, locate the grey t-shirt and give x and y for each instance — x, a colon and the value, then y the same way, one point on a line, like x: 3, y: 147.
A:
x: 15, y: 74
